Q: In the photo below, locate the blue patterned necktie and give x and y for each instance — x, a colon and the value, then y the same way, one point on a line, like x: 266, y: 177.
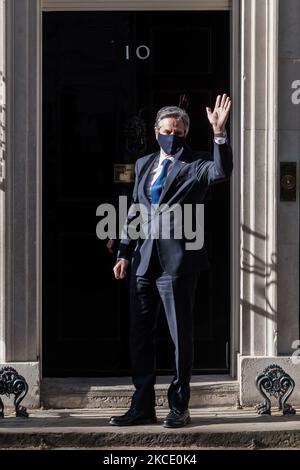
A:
x: 156, y: 188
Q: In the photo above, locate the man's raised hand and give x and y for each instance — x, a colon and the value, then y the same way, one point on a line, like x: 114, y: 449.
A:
x: 218, y: 117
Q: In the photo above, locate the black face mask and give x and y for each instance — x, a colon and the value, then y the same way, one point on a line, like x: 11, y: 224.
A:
x: 170, y: 144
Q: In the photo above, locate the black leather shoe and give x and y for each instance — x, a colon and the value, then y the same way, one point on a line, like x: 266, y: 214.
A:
x: 177, y: 420
x: 133, y: 417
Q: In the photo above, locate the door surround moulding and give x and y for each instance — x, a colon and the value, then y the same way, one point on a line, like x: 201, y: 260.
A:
x: 258, y: 155
x: 31, y: 33
x: 134, y: 5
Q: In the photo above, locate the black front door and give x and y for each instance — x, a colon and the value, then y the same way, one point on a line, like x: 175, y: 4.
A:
x: 105, y: 75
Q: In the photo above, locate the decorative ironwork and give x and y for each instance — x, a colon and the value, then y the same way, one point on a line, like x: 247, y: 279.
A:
x: 277, y: 383
x: 135, y: 132
x: 12, y: 383
x: 184, y: 101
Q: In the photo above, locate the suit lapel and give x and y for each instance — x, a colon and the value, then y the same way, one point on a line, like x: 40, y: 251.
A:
x: 176, y: 167
x: 145, y: 170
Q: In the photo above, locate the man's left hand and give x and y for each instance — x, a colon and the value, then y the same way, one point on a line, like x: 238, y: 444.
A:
x: 218, y: 117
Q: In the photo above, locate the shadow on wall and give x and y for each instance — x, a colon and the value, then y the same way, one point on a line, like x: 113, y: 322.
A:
x: 252, y: 264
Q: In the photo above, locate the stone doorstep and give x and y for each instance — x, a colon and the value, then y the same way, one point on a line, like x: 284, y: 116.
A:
x: 217, y: 428
x: 206, y: 391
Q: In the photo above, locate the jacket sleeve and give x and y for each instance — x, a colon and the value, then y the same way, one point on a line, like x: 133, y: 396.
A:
x: 217, y: 170
x: 126, y: 245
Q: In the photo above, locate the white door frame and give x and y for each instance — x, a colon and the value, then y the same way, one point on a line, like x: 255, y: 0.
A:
x: 252, y: 75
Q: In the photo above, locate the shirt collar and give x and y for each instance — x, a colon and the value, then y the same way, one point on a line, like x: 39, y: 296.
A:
x: 170, y: 157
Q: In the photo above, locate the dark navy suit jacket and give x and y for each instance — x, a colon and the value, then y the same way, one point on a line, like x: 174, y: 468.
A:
x: 187, y: 183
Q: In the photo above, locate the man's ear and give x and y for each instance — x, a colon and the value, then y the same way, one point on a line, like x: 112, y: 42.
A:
x: 156, y: 132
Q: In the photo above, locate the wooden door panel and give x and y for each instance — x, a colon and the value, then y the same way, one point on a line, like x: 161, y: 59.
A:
x: 96, y: 92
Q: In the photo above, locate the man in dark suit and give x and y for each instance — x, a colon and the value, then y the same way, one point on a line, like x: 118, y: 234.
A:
x: 165, y: 269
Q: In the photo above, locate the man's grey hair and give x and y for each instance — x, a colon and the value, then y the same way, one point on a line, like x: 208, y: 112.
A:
x: 173, y: 112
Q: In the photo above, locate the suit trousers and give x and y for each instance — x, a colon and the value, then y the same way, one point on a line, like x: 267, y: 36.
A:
x: 177, y: 294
